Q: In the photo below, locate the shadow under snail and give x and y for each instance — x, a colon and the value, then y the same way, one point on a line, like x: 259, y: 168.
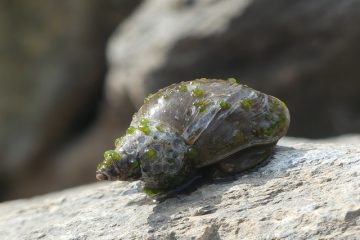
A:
x: 191, y: 125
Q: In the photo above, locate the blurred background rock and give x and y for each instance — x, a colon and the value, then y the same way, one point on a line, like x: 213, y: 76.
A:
x: 52, y: 68
x: 60, y: 107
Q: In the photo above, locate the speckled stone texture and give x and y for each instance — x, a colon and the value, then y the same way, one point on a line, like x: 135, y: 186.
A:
x: 308, y: 190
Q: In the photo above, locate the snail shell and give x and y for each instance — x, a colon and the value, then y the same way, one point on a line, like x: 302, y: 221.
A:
x: 190, y: 125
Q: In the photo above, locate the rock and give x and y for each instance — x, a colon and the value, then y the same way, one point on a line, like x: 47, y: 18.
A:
x: 52, y: 70
x: 305, y: 191
x: 279, y: 47
x: 134, y: 54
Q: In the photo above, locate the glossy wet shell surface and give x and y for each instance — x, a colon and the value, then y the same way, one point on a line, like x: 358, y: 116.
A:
x: 217, y: 117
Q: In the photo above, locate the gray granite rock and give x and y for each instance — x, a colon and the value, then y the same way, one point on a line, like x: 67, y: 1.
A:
x: 306, y: 191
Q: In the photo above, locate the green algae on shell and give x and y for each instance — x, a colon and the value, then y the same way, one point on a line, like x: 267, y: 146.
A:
x: 192, y: 153
x: 182, y: 87
x: 197, y: 92
x: 224, y: 105
x: 109, y: 157
x: 246, y: 104
x: 150, y: 153
x: 111, y: 154
x: 201, y: 105
x: 130, y: 130
x: 232, y: 80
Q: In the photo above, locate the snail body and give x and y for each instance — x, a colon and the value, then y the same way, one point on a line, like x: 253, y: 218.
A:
x: 191, y: 125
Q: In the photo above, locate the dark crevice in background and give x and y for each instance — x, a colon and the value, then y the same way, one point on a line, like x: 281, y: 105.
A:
x: 107, y: 16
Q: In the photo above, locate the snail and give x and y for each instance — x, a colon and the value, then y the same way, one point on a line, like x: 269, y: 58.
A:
x: 192, y: 125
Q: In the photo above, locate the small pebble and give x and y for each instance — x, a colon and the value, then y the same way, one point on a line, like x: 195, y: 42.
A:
x: 205, y: 210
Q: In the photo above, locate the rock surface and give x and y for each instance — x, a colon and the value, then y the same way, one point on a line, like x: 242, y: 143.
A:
x: 306, y: 191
